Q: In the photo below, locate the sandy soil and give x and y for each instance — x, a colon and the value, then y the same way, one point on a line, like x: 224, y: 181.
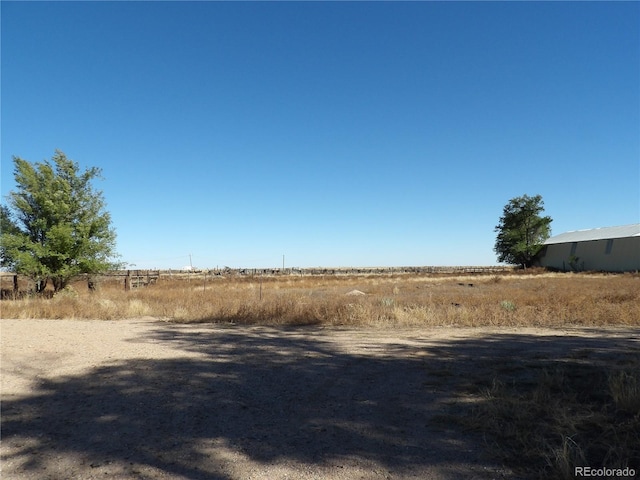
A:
x: 143, y: 399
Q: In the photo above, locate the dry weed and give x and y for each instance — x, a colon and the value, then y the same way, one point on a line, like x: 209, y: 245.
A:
x: 566, y: 418
x: 625, y: 390
x: 539, y: 299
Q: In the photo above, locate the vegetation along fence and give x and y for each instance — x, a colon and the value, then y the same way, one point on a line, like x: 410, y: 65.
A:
x: 14, y: 286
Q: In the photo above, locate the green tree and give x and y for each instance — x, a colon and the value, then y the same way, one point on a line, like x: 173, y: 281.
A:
x: 522, y: 231
x: 55, y: 226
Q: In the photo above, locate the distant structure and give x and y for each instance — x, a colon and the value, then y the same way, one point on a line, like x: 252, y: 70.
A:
x: 609, y: 249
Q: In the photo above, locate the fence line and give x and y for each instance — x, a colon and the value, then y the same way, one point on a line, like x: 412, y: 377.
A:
x: 9, y: 281
x: 318, y: 271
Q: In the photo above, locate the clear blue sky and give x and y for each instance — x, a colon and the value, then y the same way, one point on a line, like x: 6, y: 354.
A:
x: 337, y: 134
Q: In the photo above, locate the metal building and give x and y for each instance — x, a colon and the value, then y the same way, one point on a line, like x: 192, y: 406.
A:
x: 609, y: 249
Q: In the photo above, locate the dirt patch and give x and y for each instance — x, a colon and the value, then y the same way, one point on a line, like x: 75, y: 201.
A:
x: 142, y: 399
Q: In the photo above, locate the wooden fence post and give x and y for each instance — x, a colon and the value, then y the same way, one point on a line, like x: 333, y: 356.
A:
x: 127, y: 281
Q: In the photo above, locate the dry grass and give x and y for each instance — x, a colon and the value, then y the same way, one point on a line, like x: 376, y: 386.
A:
x: 546, y: 299
x: 569, y: 416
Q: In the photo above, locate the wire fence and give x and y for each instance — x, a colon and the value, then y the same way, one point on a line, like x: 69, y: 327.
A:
x: 14, y: 286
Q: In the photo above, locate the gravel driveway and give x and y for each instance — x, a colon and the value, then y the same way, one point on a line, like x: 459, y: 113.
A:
x: 144, y: 399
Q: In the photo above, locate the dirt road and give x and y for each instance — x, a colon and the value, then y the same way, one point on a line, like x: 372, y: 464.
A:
x: 143, y: 399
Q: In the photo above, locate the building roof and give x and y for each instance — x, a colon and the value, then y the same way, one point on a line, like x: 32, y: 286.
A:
x: 596, y: 234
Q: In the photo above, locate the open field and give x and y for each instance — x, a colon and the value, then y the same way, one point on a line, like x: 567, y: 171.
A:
x: 336, y: 377
x: 534, y: 299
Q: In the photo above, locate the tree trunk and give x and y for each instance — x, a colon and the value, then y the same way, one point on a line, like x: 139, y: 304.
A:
x: 41, y: 285
x: 59, y: 283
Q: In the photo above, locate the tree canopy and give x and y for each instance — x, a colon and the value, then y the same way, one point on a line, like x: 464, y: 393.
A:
x: 55, y: 226
x: 522, y: 230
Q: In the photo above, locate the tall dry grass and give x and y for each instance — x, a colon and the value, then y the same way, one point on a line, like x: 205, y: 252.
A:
x: 549, y: 299
x: 567, y: 417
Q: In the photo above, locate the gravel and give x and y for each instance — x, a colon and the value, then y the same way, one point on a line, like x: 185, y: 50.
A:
x: 145, y: 399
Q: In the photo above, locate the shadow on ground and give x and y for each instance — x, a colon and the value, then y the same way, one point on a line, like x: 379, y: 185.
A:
x: 282, y: 395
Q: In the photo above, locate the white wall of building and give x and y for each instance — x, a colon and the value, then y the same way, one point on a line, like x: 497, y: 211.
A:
x: 610, y: 255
